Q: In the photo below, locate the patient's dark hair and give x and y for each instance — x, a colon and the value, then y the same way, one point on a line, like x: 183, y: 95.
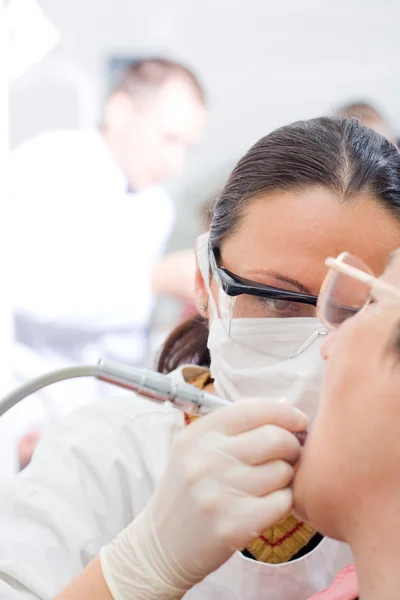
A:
x: 334, y: 153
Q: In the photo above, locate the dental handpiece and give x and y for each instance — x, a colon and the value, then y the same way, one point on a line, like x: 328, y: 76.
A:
x: 159, y: 388
x: 155, y: 386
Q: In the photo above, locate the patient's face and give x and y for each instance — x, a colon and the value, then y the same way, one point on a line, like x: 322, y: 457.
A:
x: 350, y: 466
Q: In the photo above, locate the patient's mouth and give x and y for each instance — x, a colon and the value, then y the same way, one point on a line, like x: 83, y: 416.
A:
x: 301, y: 436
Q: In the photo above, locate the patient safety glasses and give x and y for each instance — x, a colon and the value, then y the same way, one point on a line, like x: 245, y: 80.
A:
x: 348, y: 289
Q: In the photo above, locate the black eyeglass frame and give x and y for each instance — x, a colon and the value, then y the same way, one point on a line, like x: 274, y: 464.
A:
x: 234, y: 285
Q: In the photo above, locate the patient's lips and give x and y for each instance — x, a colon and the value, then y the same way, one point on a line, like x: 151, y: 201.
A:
x: 301, y: 436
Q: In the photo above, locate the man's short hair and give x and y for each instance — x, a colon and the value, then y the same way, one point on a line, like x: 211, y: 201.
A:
x: 149, y: 74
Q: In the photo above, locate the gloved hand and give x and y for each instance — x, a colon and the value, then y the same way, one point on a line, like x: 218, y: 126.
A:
x: 227, y: 479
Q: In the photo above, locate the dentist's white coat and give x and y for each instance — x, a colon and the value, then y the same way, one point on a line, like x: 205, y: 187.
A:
x: 88, y: 480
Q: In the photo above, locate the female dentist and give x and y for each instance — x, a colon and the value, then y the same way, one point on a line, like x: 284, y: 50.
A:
x: 124, y: 499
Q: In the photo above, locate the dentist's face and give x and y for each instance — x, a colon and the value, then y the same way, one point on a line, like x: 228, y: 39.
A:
x: 350, y: 467
x: 283, y: 239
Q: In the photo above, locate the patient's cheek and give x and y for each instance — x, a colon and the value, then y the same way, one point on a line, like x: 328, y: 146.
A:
x: 315, y: 482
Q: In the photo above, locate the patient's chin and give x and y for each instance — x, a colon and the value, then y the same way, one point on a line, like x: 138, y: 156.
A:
x: 310, y: 505
x: 315, y: 494
x: 299, y: 514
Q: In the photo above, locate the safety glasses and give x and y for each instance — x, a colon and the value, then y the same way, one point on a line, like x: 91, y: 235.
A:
x: 250, y: 299
x: 348, y: 288
x: 263, y: 317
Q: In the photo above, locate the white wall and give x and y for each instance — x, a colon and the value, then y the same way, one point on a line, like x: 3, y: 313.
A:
x: 264, y: 63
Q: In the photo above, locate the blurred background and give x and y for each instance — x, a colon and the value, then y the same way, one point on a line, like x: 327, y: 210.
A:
x: 261, y: 64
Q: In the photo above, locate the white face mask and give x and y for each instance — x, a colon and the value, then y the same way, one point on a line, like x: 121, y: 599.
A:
x: 241, y: 372
x: 274, y: 367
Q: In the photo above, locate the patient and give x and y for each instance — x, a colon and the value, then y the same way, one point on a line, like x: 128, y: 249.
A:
x: 348, y: 482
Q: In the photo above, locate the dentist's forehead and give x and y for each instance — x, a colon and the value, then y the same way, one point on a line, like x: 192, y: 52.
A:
x: 292, y: 233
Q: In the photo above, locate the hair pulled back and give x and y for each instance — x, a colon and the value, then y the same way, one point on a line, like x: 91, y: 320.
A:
x: 334, y: 153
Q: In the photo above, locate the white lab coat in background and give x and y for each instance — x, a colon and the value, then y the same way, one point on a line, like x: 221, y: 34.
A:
x: 82, y: 249
x: 92, y: 475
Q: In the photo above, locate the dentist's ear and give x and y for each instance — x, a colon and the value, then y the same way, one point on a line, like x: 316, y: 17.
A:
x: 200, y: 293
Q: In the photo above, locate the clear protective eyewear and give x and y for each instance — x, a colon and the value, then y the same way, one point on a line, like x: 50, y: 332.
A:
x: 243, y: 302
x: 348, y: 288
x: 243, y: 298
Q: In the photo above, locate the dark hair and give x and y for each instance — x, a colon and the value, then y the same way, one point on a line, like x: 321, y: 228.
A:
x: 206, y: 213
x: 336, y: 153
x: 149, y: 74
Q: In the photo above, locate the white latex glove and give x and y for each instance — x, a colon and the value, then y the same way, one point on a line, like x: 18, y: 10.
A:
x: 226, y: 481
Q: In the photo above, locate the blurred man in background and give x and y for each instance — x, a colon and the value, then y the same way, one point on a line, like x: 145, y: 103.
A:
x: 89, y: 225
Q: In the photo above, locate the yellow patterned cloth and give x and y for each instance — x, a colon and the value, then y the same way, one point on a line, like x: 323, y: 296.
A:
x: 282, y: 541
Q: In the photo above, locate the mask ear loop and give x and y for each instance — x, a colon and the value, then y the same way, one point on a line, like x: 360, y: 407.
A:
x: 321, y: 332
